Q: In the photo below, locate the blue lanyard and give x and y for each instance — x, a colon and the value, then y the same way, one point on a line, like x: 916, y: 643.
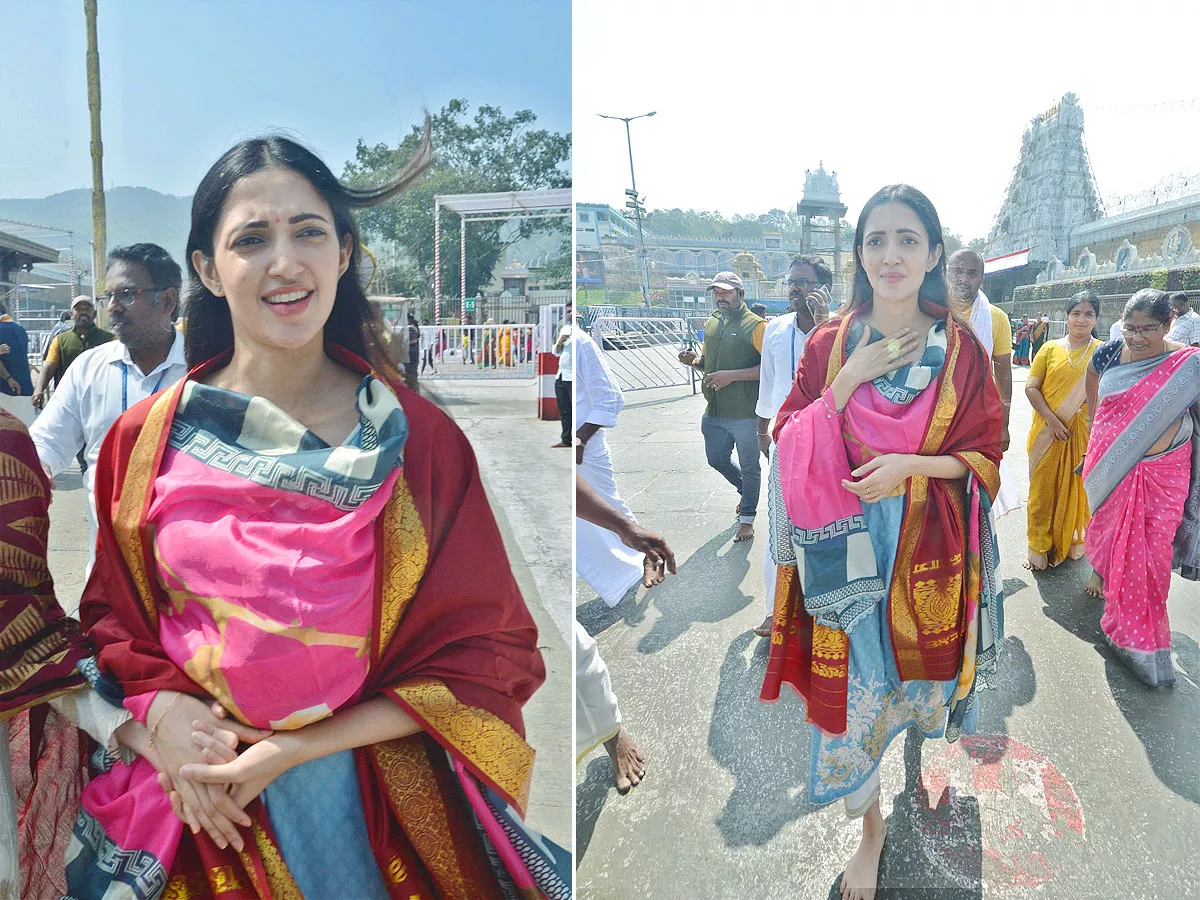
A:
x: 125, y: 385
x: 793, y: 369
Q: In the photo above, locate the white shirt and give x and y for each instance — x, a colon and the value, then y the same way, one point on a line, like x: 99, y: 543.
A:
x: 566, y: 359
x: 1114, y: 333
x: 783, y: 345
x: 100, y: 385
x: 1186, y: 329
x: 598, y: 399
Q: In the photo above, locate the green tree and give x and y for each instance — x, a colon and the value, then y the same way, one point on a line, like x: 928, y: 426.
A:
x: 483, y: 153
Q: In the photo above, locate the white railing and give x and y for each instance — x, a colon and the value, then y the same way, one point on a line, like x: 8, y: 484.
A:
x: 643, y: 353
x: 478, y: 351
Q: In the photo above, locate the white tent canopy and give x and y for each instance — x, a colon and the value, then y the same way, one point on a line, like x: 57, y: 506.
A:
x: 490, y: 207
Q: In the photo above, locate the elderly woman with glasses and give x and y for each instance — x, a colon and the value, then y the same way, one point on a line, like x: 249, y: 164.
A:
x: 1140, y: 478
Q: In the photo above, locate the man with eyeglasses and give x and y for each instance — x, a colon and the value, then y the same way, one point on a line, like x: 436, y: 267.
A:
x: 808, y: 285
x: 730, y: 361
x: 143, y: 285
x: 1185, y: 324
x: 66, y: 347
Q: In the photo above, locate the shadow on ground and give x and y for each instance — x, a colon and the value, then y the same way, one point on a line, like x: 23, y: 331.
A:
x: 707, y: 589
x: 936, y: 844
x: 1163, y: 719
x: 590, y: 796
x: 766, y: 747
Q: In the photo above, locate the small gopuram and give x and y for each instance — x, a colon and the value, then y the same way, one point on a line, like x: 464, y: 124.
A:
x: 821, y: 212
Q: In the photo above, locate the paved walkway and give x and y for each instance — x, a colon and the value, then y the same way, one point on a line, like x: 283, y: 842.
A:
x: 1083, y: 783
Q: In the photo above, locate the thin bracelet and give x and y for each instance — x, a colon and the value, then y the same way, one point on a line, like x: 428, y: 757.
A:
x: 830, y: 412
x: 154, y: 730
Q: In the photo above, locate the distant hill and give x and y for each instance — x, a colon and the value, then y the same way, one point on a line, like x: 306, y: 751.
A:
x: 142, y: 214
x: 134, y: 214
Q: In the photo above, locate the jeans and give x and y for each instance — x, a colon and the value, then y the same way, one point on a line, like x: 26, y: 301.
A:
x: 565, y: 401
x: 720, y: 438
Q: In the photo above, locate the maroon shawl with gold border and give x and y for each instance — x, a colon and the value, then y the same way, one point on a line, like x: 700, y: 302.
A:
x: 454, y: 645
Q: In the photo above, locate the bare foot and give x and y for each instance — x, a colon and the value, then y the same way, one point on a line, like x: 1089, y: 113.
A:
x: 1034, y: 561
x: 1095, y: 586
x: 745, y: 532
x: 764, y: 630
x: 652, y: 574
x: 629, y: 767
x: 861, y: 878
x: 559, y: 444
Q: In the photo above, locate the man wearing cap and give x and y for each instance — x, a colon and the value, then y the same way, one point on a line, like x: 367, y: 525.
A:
x: 65, y: 347
x: 730, y: 360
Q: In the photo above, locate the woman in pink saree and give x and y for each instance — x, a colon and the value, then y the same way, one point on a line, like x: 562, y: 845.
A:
x: 1140, y: 474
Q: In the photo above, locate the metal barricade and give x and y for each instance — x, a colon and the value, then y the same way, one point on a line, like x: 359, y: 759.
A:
x: 643, y: 353
x: 478, y: 351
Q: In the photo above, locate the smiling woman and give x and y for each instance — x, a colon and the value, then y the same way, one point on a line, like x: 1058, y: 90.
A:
x: 333, y: 701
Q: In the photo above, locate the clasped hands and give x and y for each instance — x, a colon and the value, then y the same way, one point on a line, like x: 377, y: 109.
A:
x: 209, y: 783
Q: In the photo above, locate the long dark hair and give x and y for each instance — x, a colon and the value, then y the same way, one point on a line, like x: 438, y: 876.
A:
x: 352, y: 323
x: 934, y: 288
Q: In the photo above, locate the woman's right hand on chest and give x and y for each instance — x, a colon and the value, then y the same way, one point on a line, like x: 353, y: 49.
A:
x: 870, y: 361
x: 171, y: 721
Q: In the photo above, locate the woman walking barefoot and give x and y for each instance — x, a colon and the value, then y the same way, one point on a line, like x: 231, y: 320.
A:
x: 1140, y: 474
x: 1058, y: 508
x: 888, y: 605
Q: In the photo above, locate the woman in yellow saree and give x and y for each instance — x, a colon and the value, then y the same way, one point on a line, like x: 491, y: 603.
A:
x: 1058, y: 506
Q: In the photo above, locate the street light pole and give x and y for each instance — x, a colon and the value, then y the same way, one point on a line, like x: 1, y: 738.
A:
x: 637, y: 205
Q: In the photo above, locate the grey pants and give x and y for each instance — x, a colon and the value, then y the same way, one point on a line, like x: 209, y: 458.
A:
x: 721, y: 437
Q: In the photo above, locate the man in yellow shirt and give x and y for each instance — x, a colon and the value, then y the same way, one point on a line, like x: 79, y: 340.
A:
x: 991, y: 326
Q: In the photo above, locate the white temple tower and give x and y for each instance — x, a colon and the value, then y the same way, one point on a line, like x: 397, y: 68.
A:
x: 1052, y: 190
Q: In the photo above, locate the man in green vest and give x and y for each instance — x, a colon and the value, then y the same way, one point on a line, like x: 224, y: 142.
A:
x: 730, y: 359
x: 66, y: 347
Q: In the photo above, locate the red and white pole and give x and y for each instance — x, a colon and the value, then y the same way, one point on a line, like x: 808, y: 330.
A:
x: 437, y: 262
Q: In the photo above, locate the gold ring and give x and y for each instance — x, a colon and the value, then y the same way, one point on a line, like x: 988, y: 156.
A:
x: 893, y: 348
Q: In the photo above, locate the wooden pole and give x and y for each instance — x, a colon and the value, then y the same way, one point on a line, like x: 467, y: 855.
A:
x: 99, y: 229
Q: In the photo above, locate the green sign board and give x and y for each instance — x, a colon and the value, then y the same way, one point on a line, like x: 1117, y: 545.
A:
x: 470, y: 304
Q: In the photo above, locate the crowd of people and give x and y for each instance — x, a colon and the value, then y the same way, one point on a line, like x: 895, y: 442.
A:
x: 292, y: 684
x: 882, y: 428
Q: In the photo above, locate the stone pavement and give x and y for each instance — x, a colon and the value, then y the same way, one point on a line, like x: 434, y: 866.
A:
x: 530, y: 487
x: 1082, y: 783
x: 534, y: 518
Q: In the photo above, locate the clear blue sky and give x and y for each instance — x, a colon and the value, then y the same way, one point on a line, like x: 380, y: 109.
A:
x: 182, y: 80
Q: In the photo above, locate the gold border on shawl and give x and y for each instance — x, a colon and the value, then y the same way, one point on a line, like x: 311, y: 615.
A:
x: 135, y: 498
x: 484, y: 739
x: 405, y: 558
x: 838, y: 351
x: 412, y: 789
x: 985, y: 470
x: 279, y: 879
x: 903, y: 610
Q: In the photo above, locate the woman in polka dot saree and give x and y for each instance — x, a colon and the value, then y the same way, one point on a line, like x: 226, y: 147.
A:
x: 1141, y: 477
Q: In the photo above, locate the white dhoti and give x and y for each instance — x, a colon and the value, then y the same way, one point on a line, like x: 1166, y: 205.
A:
x: 1008, y: 498
x: 608, y: 566
x: 597, y: 715
x: 770, y: 569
